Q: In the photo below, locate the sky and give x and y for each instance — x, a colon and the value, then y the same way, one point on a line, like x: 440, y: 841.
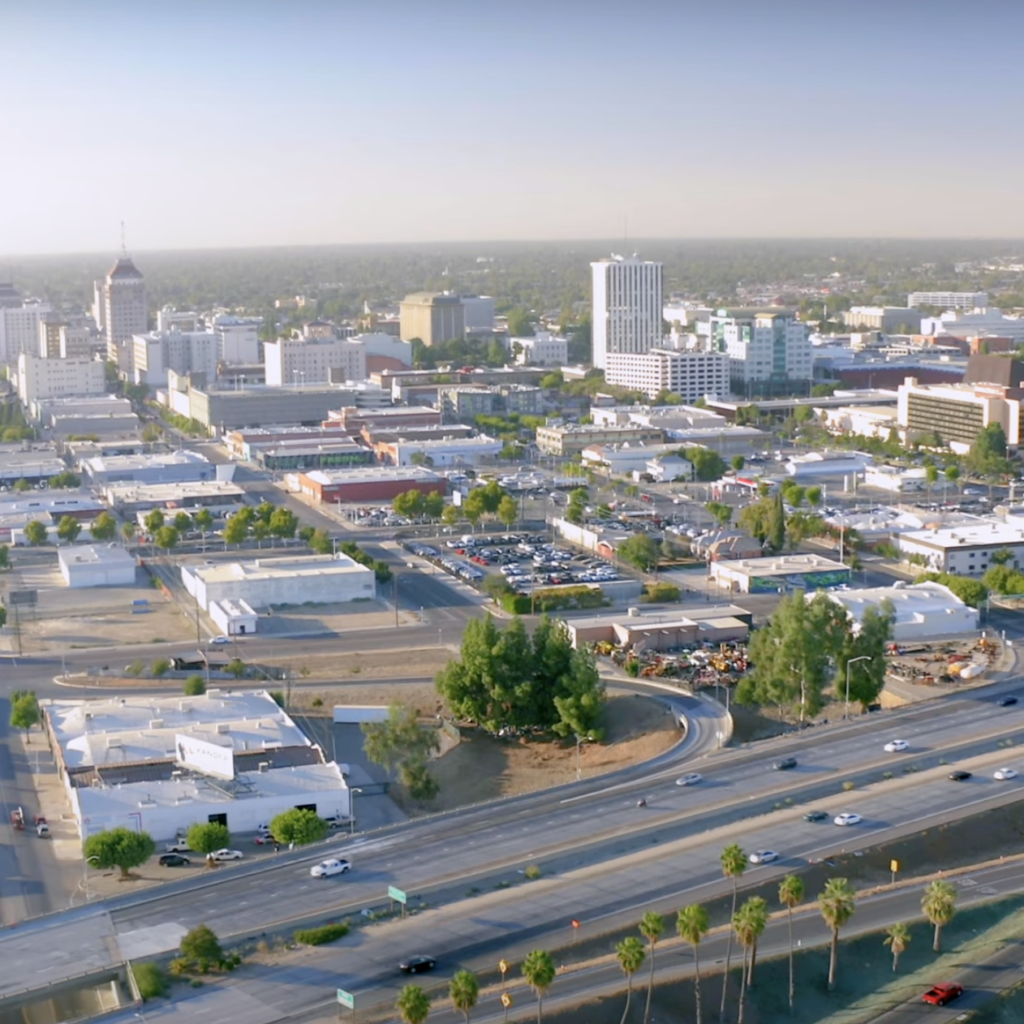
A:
x: 215, y: 124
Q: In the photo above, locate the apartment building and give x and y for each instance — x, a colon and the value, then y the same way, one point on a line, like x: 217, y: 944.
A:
x: 949, y: 300
x: 290, y: 362
x: 690, y: 374
x: 769, y: 350
x: 183, y: 352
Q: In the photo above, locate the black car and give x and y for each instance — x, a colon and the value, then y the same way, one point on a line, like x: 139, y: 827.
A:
x: 173, y: 860
x: 815, y: 815
x: 1006, y: 702
x: 785, y: 764
x: 959, y: 776
x: 417, y: 964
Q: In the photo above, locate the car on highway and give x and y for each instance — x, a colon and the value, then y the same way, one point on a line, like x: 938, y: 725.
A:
x: 847, y: 818
x: 939, y: 995
x: 690, y: 780
x: 785, y: 764
x: 1007, y: 702
x: 178, y: 846
x: 417, y: 964
x: 763, y: 857
x: 896, y: 746
x: 1004, y: 774
x: 217, y: 641
x: 333, y: 866
x: 173, y: 860
x: 959, y: 776
x: 815, y: 815
x: 226, y: 854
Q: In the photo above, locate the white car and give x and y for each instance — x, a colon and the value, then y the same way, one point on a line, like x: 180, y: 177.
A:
x: 847, y: 818
x: 326, y: 868
x: 1004, y: 774
x: 763, y: 857
x: 218, y: 640
x: 896, y: 746
x: 226, y: 854
x: 690, y: 780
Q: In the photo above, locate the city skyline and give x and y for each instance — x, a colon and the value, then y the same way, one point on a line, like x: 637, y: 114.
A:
x: 395, y: 123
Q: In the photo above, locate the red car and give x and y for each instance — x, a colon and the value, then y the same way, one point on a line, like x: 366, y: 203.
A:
x: 939, y: 995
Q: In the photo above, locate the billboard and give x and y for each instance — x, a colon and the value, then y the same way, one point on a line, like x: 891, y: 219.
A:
x: 205, y: 757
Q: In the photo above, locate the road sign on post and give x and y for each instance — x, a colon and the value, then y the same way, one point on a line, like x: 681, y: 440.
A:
x: 894, y: 866
x: 397, y: 896
x: 506, y: 1001
x: 346, y: 999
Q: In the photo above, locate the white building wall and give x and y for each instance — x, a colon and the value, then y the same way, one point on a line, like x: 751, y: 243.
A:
x: 80, y: 568
x: 19, y: 330
x: 692, y: 375
x: 543, y: 349
x: 289, y: 362
x: 238, y: 339
x: 627, y: 306
x: 48, y: 378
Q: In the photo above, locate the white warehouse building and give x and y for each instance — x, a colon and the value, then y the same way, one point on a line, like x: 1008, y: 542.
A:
x: 96, y: 565
x: 160, y: 764
x: 266, y: 582
x: 923, y: 611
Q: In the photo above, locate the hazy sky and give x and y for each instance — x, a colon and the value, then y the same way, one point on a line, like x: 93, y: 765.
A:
x: 204, y: 123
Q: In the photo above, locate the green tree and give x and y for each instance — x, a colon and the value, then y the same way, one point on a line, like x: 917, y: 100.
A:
x: 692, y: 924
x: 104, y: 527
x: 539, y: 972
x: 403, y: 746
x: 707, y: 464
x: 870, y: 641
x: 201, y: 945
x: 938, y: 904
x: 813, y: 495
x: 737, y: 462
x: 182, y: 522
x: 520, y: 323
x: 952, y: 475
x: 652, y: 927
x: 756, y: 518
x: 153, y: 520
x: 260, y: 531
x: 320, y: 542
x: 3, y: 616
x: 22, y: 485
x: 24, y: 710
x: 972, y: 592
x: 194, y: 686
x: 747, y: 924
x: 283, y: 523
x: 630, y: 954
x: 119, y: 848
x: 264, y: 511
x: 203, y: 521
x: 128, y: 531
x: 413, y: 1004
x: 837, y: 904
x: 791, y: 894
x: 236, y: 529
x: 207, y: 838
x: 897, y: 938
x: 931, y: 476
x: 35, y: 533
x: 166, y: 538
x: 450, y: 515
x: 776, y: 538
x: 464, y: 991
x: 579, y: 697
x: 734, y: 863
x: 299, y: 826
x: 5, y: 557
x: 433, y: 505
x: 508, y: 511
x: 641, y: 551
x: 236, y: 667
x: 720, y: 512
x: 408, y: 503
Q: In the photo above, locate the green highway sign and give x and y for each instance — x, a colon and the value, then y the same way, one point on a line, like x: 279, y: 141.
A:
x: 396, y: 894
x: 346, y: 999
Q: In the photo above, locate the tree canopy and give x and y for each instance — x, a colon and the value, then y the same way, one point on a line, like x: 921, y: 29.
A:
x: 119, y: 848
x: 503, y: 679
x: 403, y: 746
x: 298, y: 826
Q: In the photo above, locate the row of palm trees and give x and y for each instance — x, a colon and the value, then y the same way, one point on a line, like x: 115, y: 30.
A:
x: 836, y: 902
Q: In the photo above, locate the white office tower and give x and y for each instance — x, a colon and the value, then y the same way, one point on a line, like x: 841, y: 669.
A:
x: 627, y: 307
x: 124, y: 312
x: 19, y: 329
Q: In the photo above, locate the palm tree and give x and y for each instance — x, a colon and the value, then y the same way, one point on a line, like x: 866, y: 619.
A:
x: 748, y: 922
x: 464, y: 990
x: 791, y: 894
x: 757, y: 909
x: 631, y: 954
x: 939, y: 906
x: 734, y: 863
x: 539, y: 972
x: 692, y: 924
x: 413, y: 1004
x: 897, y: 938
x: 651, y: 927
x: 837, y: 905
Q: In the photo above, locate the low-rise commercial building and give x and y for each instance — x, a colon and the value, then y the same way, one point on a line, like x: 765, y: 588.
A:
x: 461, y: 403
x: 274, y: 582
x: 887, y: 319
x: 96, y: 565
x: 925, y: 611
x: 40, y: 378
x: 180, y: 466
x: 779, y: 573
x: 103, y: 416
x: 219, y: 496
x: 377, y: 483
x: 688, y: 627
x: 967, y: 548
x: 162, y: 764
x: 543, y: 349
x: 35, y: 463
x: 353, y: 419
x: 572, y: 438
x: 465, y: 451
x: 690, y: 374
x: 233, y: 618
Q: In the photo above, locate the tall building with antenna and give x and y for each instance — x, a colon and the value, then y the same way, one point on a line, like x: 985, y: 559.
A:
x: 627, y: 311
x: 124, y: 311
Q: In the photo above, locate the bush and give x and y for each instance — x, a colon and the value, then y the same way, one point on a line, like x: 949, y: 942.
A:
x: 160, y: 667
x: 324, y: 934
x: 151, y: 980
x: 317, y: 702
x: 236, y: 667
x: 179, y: 966
x: 194, y: 686
x: 277, y: 696
x: 848, y: 785
x: 656, y: 593
x: 532, y: 871
x: 201, y: 945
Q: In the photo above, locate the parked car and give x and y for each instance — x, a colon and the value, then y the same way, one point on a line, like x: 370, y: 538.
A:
x: 226, y: 854
x: 939, y: 995
x: 178, y: 846
x: 173, y: 860
x: 326, y: 868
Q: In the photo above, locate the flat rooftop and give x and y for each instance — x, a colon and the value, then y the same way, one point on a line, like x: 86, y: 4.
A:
x: 132, y: 729
x: 985, y: 533
x: 177, y: 492
x: 909, y: 602
x: 278, y: 568
x: 781, y: 565
x: 370, y: 474
x: 94, y: 554
x: 126, y: 463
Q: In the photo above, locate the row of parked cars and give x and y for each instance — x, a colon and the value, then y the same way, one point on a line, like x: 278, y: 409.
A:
x: 455, y: 566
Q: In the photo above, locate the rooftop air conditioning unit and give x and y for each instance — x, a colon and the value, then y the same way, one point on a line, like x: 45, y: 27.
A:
x: 156, y: 723
x: 263, y: 766
x: 223, y: 727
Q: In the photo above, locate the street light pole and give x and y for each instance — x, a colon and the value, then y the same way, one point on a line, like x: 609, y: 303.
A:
x: 352, y: 809
x: 863, y: 657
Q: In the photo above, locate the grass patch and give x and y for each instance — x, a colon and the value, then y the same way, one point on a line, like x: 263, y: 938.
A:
x: 323, y: 934
x: 151, y: 980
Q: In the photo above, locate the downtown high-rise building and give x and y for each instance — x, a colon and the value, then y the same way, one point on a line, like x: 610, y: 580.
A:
x: 627, y: 310
x: 124, y: 312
